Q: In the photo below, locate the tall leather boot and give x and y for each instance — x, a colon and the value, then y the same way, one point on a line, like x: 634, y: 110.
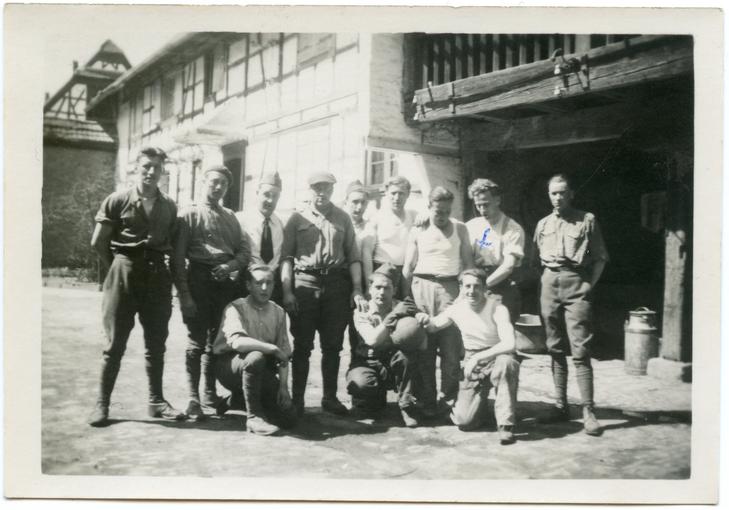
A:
x: 99, y: 417
x: 329, y: 375
x: 299, y: 377
x: 210, y: 394
x: 560, y: 412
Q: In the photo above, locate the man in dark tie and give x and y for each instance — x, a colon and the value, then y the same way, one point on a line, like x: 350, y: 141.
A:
x: 265, y: 229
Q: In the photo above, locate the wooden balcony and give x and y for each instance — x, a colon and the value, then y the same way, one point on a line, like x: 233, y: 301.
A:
x: 489, y: 77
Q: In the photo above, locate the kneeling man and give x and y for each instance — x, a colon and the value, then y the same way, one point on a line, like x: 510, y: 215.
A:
x: 488, y: 338
x: 385, y: 349
x: 252, y: 355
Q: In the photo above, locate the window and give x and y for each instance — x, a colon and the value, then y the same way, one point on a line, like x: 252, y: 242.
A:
x: 193, y: 83
x: 217, y: 72
x: 171, y: 95
x: 150, y: 107
x: 381, y: 165
x: 237, y: 53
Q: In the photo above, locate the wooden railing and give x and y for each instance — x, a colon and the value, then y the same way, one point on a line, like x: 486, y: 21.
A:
x: 442, y: 58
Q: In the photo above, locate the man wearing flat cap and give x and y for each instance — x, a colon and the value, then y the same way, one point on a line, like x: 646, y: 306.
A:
x: 210, y: 238
x: 385, y: 357
x: 498, y: 243
x: 321, y: 276
x: 265, y: 229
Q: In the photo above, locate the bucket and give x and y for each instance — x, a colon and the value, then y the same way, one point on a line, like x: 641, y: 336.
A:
x: 641, y: 340
x: 530, y: 335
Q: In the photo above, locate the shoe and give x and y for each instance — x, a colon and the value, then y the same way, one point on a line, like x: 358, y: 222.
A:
x: 409, y: 417
x: 334, y: 406
x: 592, y: 426
x: 194, y: 411
x: 506, y: 434
x: 99, y: 417
x: 211, y: 400
x: 259, y: 426
x: 164, y: 411
x: 557, y: 414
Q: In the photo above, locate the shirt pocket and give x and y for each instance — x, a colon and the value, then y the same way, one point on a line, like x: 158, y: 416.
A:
x: 337, y: 247
x: 574, y: 235
x: 307, y: 236
x: 548, y: 241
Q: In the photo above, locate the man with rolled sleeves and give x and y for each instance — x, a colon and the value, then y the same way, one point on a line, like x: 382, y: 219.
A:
x: 436, y: 254
x: 321, y: 276
x: 265, y: 230
x: 498, y: 243
x: 573, y: 254
x: 381, y: 360
x: 211, y: 240
x: 134, y: 232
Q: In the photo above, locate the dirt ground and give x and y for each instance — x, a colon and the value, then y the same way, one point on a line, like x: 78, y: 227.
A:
x: 647, y: 423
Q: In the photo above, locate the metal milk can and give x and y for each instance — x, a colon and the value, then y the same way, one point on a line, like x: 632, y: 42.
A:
x: 641, y: 340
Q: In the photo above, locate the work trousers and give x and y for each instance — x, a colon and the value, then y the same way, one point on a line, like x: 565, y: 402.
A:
x: 254, y: 375
x: 433, y: 296
x: 500, y: 373
x: 324, y: 307
x: 565, y: 299
x: 210, y: 297
x: 143, y: 286
x: 507, y: 292
x: 369, y: 380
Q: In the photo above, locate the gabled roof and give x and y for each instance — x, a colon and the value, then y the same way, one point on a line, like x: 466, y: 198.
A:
x: 109, y: 52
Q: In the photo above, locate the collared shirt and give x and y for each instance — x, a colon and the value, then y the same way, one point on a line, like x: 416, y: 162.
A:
x: 492, y: 243
x: 208, y: 235
x: 318, y: 241
x: 242, y: 318
x: 478, y: 329
x: 391, y: 235
x: 365, y: 323
x: 132, y: 227
x: 252, y: 224
x: 570, y: 239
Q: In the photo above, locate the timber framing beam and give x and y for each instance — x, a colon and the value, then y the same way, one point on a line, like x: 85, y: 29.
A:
x: 608, y: 68
x: 657, y: 122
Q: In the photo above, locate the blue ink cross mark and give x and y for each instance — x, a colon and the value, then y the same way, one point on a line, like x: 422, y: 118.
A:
x: 484, y: 242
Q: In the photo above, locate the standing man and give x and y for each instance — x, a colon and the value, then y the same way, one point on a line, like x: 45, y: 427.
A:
x: 252, y: 354
x: 377, y: 362
x: 390, y: 228
x: 436, y: 254
x: 498, y: 243
x: 490, y: 361
x: 265, y: 230
x: 355, y: 204
x: 321, y: 276
x: 211, y: 239
x: 134, y: 232
x: 573, y: 254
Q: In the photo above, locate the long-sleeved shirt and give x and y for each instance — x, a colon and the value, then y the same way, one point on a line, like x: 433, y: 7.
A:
x: 208, y: 235
x: 252, y: 224
x: 242, y: 317
x: 571, y: 238
x: 132, y: 227
x: 320, y: 241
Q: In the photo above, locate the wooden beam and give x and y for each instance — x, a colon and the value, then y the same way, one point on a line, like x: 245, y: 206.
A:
x: 642, y: 60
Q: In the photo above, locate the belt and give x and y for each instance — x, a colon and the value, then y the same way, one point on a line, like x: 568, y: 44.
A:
x: 565, y: 269
x: 436, y: 278
x: 322, y: 271
x: 140, y: 253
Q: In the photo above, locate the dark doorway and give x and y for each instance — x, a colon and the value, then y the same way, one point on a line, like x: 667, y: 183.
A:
x: 233, y: 158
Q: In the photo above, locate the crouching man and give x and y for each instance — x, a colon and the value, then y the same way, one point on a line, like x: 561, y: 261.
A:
x: 386, y: 345
x: 252, y: 354
x: 490, y: 361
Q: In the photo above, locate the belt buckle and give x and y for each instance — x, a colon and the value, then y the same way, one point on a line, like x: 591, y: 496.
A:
x: 324, y: 271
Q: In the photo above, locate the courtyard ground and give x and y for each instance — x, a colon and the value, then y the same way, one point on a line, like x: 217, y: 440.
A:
x: 647, y: 423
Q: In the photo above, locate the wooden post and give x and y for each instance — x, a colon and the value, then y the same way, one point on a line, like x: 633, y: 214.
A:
x: 676, y: 343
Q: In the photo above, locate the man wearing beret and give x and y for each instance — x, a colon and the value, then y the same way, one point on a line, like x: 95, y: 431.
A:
x: 265, y: 229
x: 134, y: 231
x: 210, y: 238
x: 490, y: 361
x: 321, y: 276
x: 383, y: 357
x: 498, y: 243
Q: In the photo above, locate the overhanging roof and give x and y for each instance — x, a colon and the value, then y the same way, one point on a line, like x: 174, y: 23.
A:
x: 628, y: 63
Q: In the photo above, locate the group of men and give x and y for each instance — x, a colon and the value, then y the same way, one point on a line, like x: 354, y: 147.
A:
x: 410, y: 288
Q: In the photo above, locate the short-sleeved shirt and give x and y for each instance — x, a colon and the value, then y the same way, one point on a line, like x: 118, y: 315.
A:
x: 391, y: 235
x: 493, y: 242
x: 316, y: 240
x: 570, y: 239
x: 252, y: 224
x: 132, y: 227
x: 478, y: 329
x: 365, y: 323
x: 242, y: 317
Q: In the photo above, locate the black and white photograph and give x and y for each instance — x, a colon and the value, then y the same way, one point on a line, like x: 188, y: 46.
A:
x: 414, y: 255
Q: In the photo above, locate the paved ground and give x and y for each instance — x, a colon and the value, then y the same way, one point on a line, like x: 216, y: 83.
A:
x: 647, y: 422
